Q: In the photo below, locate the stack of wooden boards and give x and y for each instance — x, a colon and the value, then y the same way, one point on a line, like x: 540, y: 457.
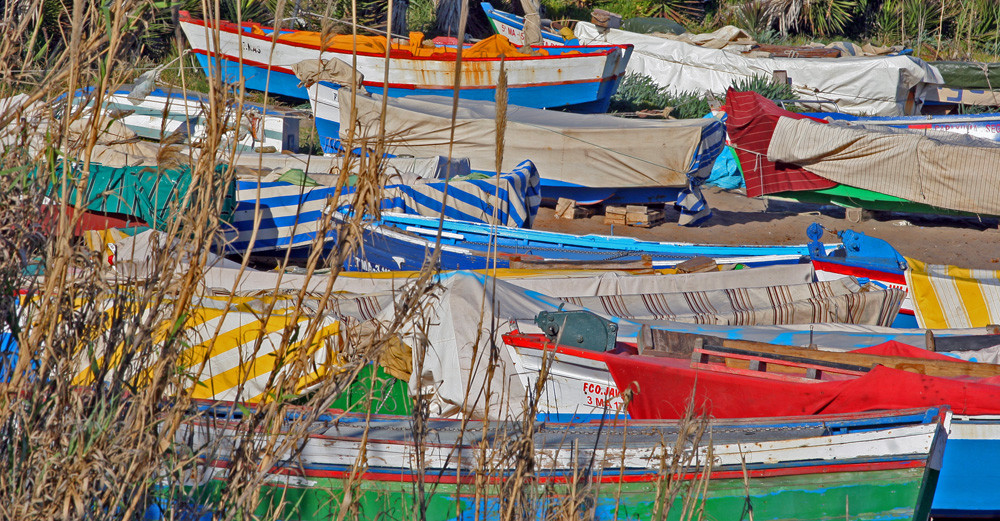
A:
x: 633, y: 215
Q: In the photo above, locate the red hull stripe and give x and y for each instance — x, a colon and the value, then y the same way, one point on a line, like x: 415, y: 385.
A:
x: 278, y: 68
x: 432, y: 476
x: 854, y: 271
x: 231, y: 29
x: 539, y: 342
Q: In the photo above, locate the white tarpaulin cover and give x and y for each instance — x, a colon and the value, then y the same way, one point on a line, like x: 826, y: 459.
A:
x: 589, y: 150
x: 454, y: 329
x: 873, y: 86
x: 942, y: 169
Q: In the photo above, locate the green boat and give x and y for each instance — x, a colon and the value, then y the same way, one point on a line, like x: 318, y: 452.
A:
x: 858, y: 466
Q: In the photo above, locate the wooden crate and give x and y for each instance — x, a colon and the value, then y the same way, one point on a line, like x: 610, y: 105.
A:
x: 633, y: 215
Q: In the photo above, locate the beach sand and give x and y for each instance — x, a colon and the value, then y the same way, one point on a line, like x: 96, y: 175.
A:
x: 967, y: 242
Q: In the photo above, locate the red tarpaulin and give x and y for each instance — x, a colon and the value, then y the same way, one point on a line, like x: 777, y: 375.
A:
x: 750, y: 122
x: 662, y: 388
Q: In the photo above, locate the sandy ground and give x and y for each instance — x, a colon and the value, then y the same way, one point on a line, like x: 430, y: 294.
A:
x: 961, y: 241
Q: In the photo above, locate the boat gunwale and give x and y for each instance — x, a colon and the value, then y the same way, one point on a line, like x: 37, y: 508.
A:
x: 226, y: 26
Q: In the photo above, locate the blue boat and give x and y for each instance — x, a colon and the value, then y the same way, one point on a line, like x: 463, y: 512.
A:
x: 400, y: 242
x: 867, y: 258
x: 585, y: 157
x: 984, y: 126
x: 512, y: 27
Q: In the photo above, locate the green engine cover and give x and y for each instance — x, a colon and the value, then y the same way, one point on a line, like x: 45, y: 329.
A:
x: 581, y: 329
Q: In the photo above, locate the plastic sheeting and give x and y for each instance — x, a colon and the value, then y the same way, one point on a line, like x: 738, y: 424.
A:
x: 874, y: 86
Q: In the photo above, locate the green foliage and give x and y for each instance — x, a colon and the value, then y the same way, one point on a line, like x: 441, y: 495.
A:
x: 828, y: 17
x: 420, y: 16
x: 639, y: 92
x: 689, y: 105
x: 765, y: 87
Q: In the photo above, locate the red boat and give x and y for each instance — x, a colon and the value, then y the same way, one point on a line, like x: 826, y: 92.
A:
x: 659, y: 386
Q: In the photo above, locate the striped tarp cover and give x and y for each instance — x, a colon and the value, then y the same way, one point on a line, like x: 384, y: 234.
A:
x: 950, y: 297
x: 291, y: 215
x: 932, y: 167
x: 750, y: 123
x: 841, y: 301
x: 224, y: 359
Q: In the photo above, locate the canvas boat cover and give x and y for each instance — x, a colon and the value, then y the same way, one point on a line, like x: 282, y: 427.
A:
x: 465, y: 313
x: 873, y: 86
x: 291, y: 215
x: 750, y: 121
x: 584, y: 149
x: 841, y: 301
x: 152, y: 194
x: 665, y: 386
x: 941, y: 169
x: 949, y: 296
x: 969, y: 75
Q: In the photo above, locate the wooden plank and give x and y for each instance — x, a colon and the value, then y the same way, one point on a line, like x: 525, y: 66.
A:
x: 697, y: 265
x: 646, y: 263
x: 564, y: 208
x: 681, y: 345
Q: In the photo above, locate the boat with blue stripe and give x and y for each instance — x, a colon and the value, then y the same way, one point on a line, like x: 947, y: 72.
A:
x: 579, y: 78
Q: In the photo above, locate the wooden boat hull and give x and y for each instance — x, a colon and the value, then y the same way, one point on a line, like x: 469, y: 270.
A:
x: 881, y: 466
x: 403, y: 242
x: 581, y: 78
x: 161, y: 114
x: 970, y: 472
x: 983, y: 126
x: 830, y: 493
x: 512, y: 26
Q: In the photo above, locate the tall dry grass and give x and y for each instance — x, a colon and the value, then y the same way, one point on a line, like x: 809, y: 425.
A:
x: 93, y: 413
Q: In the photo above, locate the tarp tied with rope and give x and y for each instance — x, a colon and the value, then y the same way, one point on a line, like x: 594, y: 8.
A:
x: 595, y: 151
x: 292, y: 216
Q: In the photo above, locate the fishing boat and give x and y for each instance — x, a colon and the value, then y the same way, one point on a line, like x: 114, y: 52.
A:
x: 400, y: 242
x: 983, y: 125
x: 581, y: 78
x: 633, y: 160
x: 881, y: 465
x: 794, y: 156
x: 864, y: 257
x: 583, y: 381
x: 511, y: 26
x: 969, y: 471
x: 660, y: 378
x: 181, y: 118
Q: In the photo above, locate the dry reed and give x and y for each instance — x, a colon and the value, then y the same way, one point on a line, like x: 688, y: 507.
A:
x: 113, y: 445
